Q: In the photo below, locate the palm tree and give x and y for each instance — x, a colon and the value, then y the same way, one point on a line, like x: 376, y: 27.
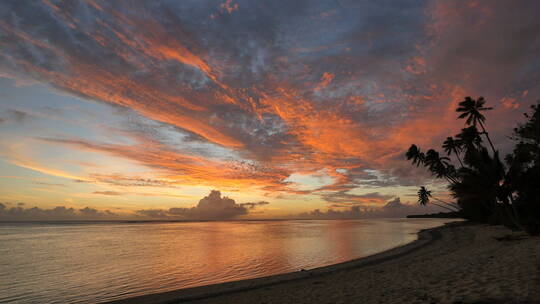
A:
x: 471, y: 144
x: 439, y: 166
x: 416, y: 155
x: 469, y: 137
x: 471, y: 109
x: 451, y: 145
x: 424, y: 196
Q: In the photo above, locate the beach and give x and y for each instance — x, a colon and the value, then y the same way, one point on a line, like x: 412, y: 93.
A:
x: 231, y: 151
x: 456, y: 263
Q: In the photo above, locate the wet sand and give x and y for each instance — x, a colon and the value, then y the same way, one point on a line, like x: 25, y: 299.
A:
x: 456, y: 263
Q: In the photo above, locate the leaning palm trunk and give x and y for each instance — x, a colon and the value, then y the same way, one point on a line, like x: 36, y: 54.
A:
x: 443, y: 206
x: 487, y: 136
x: 459, y: 159
x: 451, y: 179
x: 448, y: 204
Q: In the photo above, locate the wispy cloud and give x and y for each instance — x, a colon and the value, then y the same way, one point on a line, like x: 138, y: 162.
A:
x: 107, y: 193
x: 239, y: 98
x: 15, y: 116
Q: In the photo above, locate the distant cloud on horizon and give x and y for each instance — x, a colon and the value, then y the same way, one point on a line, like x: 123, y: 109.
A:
x: 211, y: 207
x: 392, y: 209
x: 60, y: 213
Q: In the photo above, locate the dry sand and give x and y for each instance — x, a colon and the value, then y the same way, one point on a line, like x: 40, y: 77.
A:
x: 458, y: 263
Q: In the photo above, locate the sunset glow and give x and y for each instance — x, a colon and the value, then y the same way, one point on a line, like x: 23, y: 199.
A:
x: 142, y: 108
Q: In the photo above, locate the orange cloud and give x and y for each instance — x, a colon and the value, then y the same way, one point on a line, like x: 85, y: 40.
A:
x: 326, y: 79
x: 266, y: 91
x: 182, y: 169
x: 228, y: 6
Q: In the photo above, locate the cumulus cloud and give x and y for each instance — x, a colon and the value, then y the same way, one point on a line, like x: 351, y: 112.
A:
x: 211, y: 207
x: 392, y: 209
x: 154, y: 213
x: 60, y: 213
x: 254, y: 205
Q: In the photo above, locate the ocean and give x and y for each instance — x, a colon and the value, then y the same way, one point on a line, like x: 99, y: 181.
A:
x: 96, y: 262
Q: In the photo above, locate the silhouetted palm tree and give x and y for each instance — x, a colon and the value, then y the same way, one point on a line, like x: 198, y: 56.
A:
x: 479, y: 191
x: 439, y: 166
x: 523, y: 175
x: 471, y: 144
x: 416, y: 155
x: 485, y: 189
x: 469, y: 137
x: 451, y: 145
x: 471, y: 109
x: 424, y: 196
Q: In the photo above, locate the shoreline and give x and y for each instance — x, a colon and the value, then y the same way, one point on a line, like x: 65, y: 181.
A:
x: 425, y: 237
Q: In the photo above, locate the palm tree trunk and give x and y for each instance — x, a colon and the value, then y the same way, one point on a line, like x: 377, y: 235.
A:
x: 487, y: 136
x: 516, y: 214
x: 458, y: 158
x: 448, y: 204
x: 451, y: 179
x: 513, y: 218
x: 442, y: 206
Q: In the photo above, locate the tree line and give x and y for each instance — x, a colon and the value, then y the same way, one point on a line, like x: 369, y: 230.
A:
x: 485, y: 187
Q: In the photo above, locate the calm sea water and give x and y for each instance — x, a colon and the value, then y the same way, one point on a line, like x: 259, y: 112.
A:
x: 88, y: 263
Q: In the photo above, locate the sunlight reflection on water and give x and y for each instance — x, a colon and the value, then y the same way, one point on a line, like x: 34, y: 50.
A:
x: 87, y: 263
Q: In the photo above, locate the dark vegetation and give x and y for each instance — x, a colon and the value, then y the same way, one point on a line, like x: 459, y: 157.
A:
x: 485, y: 187
x: 454, y: 214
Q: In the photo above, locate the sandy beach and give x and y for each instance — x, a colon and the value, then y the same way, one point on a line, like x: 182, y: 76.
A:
x: 456, y: 263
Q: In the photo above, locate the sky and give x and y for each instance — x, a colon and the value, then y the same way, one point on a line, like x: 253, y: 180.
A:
x: 246, y: 109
